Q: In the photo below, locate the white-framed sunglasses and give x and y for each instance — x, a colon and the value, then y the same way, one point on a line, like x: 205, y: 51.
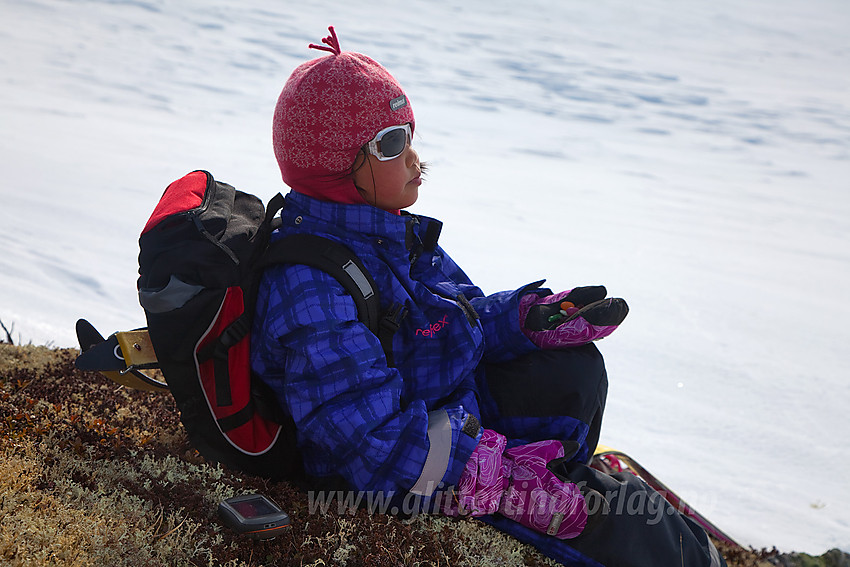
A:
x: 390, y: 142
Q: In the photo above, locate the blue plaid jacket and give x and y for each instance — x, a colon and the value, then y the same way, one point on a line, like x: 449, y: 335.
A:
x: 398, y: 429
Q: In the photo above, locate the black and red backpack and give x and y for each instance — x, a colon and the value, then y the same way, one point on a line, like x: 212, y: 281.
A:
x: 201, y: 257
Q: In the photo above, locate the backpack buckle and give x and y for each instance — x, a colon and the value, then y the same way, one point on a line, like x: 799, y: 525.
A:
x: 389, y: 324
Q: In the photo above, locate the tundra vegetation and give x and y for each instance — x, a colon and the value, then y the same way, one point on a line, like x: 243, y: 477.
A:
x: 96, y: 474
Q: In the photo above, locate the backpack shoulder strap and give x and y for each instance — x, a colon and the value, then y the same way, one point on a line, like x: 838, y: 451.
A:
x: 335, y: 259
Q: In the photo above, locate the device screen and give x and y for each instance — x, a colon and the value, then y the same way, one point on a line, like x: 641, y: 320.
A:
x: 253, y: 508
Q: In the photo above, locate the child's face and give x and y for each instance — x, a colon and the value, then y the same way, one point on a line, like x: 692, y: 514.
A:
x: 392, y: 184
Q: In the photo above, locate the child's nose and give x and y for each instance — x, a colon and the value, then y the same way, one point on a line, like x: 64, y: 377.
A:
x: 411, y: 157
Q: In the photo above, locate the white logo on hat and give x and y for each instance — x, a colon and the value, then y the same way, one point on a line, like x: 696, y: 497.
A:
x: 398, y: 102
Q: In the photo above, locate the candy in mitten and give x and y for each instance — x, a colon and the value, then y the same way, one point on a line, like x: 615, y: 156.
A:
x: 571, y: 318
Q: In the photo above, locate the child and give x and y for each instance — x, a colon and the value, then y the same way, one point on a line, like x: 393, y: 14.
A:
x: 500, y: 396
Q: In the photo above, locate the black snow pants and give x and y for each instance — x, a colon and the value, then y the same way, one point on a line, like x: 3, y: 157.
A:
x: 560, y: 394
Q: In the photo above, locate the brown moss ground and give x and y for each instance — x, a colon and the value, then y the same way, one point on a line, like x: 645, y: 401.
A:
x: 96, y: 474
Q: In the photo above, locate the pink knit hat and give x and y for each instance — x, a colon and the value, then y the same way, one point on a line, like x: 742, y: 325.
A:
x: 328, y: 109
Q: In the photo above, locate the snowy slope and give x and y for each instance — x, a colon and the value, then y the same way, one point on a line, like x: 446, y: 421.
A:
x: 693, y: 157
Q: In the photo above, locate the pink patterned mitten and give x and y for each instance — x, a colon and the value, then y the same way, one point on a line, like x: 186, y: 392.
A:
x: 517, y: 484
x: 483, y: 481
x: 538, y: 499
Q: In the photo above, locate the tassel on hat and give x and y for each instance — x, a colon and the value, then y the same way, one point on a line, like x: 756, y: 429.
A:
x: 331, y: 40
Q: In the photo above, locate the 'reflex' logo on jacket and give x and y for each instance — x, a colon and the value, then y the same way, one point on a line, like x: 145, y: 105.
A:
x: 434, y: 328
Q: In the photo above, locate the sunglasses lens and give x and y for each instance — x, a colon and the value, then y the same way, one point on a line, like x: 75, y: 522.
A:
x: 393, y: 142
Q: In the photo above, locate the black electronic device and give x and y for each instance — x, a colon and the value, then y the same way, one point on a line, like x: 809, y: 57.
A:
x: 253, y: 515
